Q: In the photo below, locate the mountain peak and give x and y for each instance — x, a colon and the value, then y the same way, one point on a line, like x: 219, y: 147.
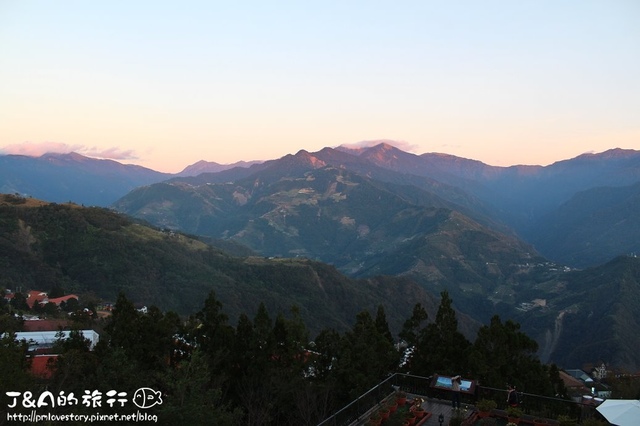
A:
x: 203, y: 166
x: 382, y: 144
x: 310, y: 159
x: 612, y: 153
x: 74, y: 156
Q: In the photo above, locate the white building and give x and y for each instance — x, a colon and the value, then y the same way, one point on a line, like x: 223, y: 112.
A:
x: 46, y: 339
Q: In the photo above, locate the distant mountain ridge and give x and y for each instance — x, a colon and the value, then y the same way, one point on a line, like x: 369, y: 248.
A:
x: 72, y: 177
x: 212, y: 167
x: 83, y: 180
x: 591, y: 226
x: 527, y: 198
x: 524, y: 200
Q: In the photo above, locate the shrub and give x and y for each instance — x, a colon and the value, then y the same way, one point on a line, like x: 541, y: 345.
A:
x: 486, y: 405
x: 564, y: 420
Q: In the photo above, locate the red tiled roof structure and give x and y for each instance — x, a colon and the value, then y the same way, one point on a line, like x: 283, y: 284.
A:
x: 39, y: 365
x: 58, y: 300
x: 45, y: 325
x: 571, y: 383
x: 34, y: 295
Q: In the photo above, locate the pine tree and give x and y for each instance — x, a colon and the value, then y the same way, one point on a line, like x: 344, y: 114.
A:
x: 442, y: 348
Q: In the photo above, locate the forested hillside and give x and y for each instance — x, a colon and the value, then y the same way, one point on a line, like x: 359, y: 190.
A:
x: 98, y: 253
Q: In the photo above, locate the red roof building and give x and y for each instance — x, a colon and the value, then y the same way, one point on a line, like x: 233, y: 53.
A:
x: 39, y: 365
x: 46, y: 325
x: 34, y: 295
x: 58, y: 300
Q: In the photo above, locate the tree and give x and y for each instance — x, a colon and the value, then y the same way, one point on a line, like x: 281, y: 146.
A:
x: 441, y: 347
x: 243, y: 348
x: 75, y: 367
x: 214, y: 337
x: 366, y: 356
x: 70, y: 305
x: 14, y: 374
x: 146, y: 341
x: 189, y: 398
x: 410, y: 336
x: 317, y: 401
x: 291, y: 339
x: 326, y: 351
x: 503, y: 354
x: 412, y: 328
x: 382, y: 326
x: 19, y: 302
x: 122, y: 326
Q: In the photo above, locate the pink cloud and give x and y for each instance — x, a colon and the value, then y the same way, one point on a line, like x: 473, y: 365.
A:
x: 402, y: 145
x: 33, y: 149
x: 110, y: 153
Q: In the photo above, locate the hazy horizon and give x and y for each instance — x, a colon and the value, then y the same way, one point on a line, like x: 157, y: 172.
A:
x: 35, y: 154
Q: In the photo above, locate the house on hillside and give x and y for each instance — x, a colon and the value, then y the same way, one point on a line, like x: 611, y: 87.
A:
x: 580, y: 383
x: 59, y: 300
x: 576, y: 373
x: 575, y: 387
x: 599, y: 373
x: 46, y: 325
x: 42, y: 365
x: 42, y: 298
x: 36, y: 296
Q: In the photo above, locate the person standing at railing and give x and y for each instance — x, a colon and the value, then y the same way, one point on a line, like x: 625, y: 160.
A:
x: 512, y: 396
x: 456, y: 381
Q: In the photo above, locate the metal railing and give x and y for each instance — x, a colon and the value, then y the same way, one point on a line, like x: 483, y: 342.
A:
x: 531, y: 404
x: 540, y: 406
x: 356, y: 410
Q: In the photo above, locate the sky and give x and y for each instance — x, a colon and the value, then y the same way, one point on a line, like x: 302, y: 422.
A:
x: 164, y: 84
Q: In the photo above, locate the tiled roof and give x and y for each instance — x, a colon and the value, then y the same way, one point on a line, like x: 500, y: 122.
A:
x: 45, y: 325
x: 58, y: 300
x: 572, y: 383
x: 34, y: 295
x: 39, y: 365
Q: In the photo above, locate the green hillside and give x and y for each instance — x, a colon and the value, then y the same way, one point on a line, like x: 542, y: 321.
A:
x: 602, y: 315
x: 99, y: 253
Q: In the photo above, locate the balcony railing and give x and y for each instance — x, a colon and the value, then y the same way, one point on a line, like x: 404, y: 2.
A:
x: 531, y: 404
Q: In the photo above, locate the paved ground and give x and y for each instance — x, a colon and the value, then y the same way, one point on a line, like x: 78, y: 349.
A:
x: 432, y: 405
x: 437, y: 407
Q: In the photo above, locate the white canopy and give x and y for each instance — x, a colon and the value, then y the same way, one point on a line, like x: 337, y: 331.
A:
x: 46, y: 339
x: 621, y: 412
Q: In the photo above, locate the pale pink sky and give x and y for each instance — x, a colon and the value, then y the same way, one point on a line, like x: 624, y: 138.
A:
x: 166, y: 84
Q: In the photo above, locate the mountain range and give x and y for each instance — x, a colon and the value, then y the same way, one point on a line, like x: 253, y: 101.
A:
x: 536, y: 203
x: 551, y: 246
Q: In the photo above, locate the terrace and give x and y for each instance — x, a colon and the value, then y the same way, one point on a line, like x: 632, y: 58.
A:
x: 435, y: 398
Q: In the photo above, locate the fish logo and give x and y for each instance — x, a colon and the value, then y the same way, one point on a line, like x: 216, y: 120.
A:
x: 147, y: 398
